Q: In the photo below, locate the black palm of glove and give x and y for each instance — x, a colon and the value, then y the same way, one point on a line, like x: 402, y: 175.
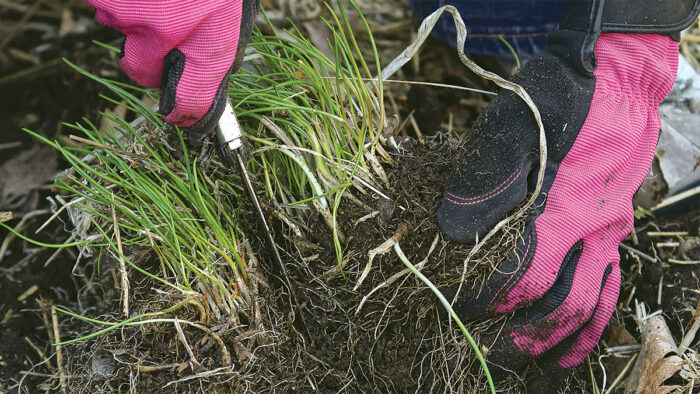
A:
x: 496, y: 172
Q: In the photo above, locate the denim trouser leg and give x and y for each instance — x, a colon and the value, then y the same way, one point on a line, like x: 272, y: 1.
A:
x: 523, y: 23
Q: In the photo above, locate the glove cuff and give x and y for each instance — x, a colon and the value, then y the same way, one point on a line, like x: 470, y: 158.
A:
x: 586, y: 19
x: 627, y: 16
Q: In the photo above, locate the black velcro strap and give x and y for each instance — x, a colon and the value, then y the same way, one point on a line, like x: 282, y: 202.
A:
x: 122, y: 49
x: 649, y: 16
x: 584, y: 17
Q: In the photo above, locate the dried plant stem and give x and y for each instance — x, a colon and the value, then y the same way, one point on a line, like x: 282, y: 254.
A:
x: 689, y: 336
x: 225, y: 355
x: 158, y: 368
x: 683, y: 262
x: 183, y: 339
x: 678, y: 197
x: 403, y: 58
x: 122, y: 264
x: 622, y: 374
x: 59, y: 350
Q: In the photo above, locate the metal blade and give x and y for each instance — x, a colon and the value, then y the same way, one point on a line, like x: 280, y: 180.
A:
x: 268, y: 231
x: 230, y: 142
x: 258, y: 208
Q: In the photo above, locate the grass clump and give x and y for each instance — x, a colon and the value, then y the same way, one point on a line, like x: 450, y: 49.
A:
x: 311, y: 122
x: 315, y: 124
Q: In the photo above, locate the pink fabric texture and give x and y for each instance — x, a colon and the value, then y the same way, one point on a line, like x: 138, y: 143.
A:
x: 591, y: 197
x: 206, y: 32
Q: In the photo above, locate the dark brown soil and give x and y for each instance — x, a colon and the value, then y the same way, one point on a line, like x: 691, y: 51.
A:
x: 22, y: 269
x: 389, y: 346
x: 392, y: 344
x: 680, y: 283
x: 384, y: 360
x: 40, y: 94
x: 40, y: 97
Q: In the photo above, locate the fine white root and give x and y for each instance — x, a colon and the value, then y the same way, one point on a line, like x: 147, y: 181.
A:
x: 183, y: 339
x: 386, y: 246
x: 366, y: 217
x: 398, y: 275
x: 225, y: 355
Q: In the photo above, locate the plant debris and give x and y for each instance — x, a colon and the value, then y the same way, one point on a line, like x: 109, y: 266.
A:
x: 658, y: 359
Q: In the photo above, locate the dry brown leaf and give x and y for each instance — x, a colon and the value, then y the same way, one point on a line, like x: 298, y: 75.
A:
x: 26, y: 172
x: 658, y: 359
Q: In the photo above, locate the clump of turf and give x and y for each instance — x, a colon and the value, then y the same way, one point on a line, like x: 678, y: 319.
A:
x: 172, y: 229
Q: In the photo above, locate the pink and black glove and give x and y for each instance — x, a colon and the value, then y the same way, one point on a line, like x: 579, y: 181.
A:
x: 187, y: 47
x: 599, y: 96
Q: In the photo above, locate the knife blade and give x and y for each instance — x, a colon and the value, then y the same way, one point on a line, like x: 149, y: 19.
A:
x: 230, y: 142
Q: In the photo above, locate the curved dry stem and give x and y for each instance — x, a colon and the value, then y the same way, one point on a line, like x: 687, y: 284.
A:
x: 403, y: 58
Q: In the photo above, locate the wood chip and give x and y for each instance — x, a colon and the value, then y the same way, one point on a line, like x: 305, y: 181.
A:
x: 28, y: 293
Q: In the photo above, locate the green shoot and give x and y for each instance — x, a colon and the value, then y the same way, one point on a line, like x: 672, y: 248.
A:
x: 451, y: 311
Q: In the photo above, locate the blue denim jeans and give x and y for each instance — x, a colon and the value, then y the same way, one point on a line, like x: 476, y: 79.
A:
x: 523, y: 23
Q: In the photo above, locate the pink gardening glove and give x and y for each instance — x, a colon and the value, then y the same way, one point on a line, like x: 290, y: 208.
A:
x: 562, y: 280
x: 187, y: 47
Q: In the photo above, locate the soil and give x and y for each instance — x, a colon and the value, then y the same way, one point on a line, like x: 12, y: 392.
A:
x: 376, y: 349
x: 396, y: 342
x: 384, y: 350
x: 23, y: 269
x: 679, y: 283
x: 40, y: 94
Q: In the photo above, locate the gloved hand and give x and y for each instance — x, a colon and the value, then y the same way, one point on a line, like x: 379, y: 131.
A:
x: 188, y: 48
x: 563, y: 278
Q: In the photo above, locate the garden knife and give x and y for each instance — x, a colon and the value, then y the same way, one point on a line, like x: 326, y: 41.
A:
x: 230, y: 143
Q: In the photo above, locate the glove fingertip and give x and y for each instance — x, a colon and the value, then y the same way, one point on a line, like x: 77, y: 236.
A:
x: 199, y: 121
x: 140, y: 63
